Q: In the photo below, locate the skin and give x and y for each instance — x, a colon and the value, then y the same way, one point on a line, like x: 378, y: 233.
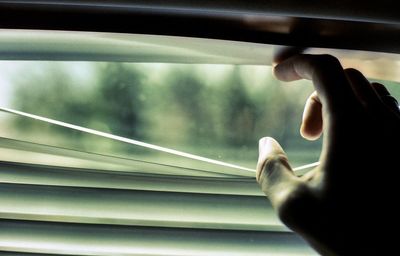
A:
x: 346, y: 205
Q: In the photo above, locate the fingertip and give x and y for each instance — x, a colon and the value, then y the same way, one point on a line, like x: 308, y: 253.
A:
x: 273, y: 166
x: 268, y: 148
x: 309, y: 134
x: 262, y: 142
x: 284, y: 52
x: 285, y: 70
x: 268, y: 144
x: 312, y: 121
x: 380, y: 89
x: 264, y: 145
x: 280, y: 72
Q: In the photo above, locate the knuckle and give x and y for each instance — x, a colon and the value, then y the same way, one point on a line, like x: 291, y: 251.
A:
x: 326, y: 60
x: 352, y: 71
x: 274, y: 163
x: 380, y: 89
x: 329, y: 58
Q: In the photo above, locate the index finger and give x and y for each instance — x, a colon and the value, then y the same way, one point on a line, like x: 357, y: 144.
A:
x: 327, y: 75
x: 284, y: 52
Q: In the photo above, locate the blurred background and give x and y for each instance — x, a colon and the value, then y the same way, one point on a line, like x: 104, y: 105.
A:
x: 216, y: 111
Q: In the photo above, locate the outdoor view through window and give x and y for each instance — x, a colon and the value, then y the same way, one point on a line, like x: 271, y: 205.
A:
x: 215, y: 111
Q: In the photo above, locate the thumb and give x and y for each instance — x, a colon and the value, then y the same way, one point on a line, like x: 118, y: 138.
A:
x: 273, y: 170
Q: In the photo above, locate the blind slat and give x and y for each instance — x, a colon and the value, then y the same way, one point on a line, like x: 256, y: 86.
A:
x: 136, y: 207
x: 24, y: 151
x: 81, y: 239
x: 19, y: 173
x: 76, y: 211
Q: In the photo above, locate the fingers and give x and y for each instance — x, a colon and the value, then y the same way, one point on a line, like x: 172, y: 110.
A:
x: 386, y: 98
x: 289, y: 195
x: 371, y: 96
x: 285, y: 52
x: 380, y: 89
x: 312, y: 123
x: 327, y: 75
x: 362, y: 89
x: 274, y: 173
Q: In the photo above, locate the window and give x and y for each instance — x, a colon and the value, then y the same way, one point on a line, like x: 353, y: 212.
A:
x: 65, y: 191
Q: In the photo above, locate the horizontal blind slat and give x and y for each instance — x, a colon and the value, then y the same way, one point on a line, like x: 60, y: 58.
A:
x: 75, y: 211
x: 35, y: 153
x: 81, y: 239
x: 63, y: 176
x: 136, y: 207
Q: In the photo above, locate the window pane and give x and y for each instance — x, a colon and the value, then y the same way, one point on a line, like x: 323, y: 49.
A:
x: 216, y: 111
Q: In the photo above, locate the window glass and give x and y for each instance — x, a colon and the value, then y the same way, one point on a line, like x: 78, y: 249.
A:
x: 215, y: 111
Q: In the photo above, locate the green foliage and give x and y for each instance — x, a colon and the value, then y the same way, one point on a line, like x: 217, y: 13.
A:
x: 118, y: 100
x: 49, y: 94
x: 115, y: 102
x: 190, y: 98
x: 182, y: 109
x: 238, y: 113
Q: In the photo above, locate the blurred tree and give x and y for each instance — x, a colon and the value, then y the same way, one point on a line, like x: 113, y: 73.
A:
x: 119, y: 100
x: 49, y: 94
x: 115, y: 103
x: 178, y: 109
x: 238, y: 111
x: 190, y: 96
x: 279, y: 110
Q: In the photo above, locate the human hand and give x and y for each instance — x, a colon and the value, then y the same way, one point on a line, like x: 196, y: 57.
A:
x: 342, y: 206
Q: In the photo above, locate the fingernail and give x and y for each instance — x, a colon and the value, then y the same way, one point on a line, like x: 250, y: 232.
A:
x: 265, y: 147
x: 262, y: 143
x: 268, y: 145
